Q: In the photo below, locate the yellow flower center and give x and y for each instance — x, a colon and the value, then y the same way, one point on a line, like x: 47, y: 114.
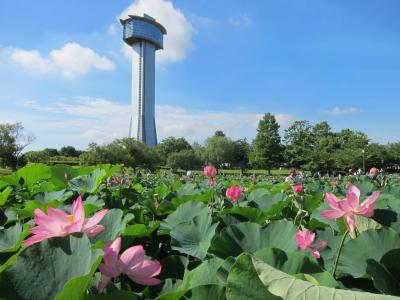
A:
x: 71, y: 219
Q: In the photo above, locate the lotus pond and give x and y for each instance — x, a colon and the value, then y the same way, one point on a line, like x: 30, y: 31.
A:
x: 99, y: 233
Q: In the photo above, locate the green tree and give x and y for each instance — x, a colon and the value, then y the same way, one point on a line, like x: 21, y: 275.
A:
x: 267, y: 149
x: 13, y: 141
x: 127, y: 151
x: 299, y: 142
x: 37, y: 156
x: 171, y: 145
x: 218, y: 150
x: 185, y: 159
x: 69, y: 151
x: 241, y: 151
x: 219, y: 133
x: 324, y: 144
x: 376, y: 155
x: 349, y: 154
x: 393, y: 150
x: 52, y: 152
x: 199, y: 151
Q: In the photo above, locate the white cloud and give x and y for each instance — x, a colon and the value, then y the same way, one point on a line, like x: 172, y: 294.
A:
x: 32, y: 60
x: 86, y: 120
x: 240, y: 20
x: 341, y: 111
x: 71, y: 60
x: 203, y: 21
x: 178, y: 41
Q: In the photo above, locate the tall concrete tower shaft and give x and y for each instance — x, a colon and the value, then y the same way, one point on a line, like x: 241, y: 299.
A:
x: 145, y: 36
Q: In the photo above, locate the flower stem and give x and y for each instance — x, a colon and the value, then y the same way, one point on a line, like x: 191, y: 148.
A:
x: 338, y: 253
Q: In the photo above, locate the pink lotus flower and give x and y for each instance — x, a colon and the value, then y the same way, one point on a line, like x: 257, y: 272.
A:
x: 233, y: 193
x: 349, y: 207
x: 57, y: 223
x: 131, y: 262
x: 211, y: 183
x: 298, y: 188
x: 210, y: 171
x: 305, y: 239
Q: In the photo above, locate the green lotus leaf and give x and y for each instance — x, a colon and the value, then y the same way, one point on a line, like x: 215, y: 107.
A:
x: 88, y: 183
x: 59, y: 266
x: 251, y: 237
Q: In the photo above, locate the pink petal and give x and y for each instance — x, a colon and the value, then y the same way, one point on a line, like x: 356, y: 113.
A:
x: 77, y: 210
x: 345, y: 206
x: 332, y: 214
x: 96, y: 218
x: 57, y: 214
x: 41, y: 231
x: 109, y: 270
x: 132, y: 259
x: 371, y: 199
x: 72, y: 228
x: 332, y: 200
x: 300, y: 240
x: 350, y: 223
x: 309, y: 237
x: 352, y: 200
x: 50, y: 224
x: 149, y: 268
x: 38, y: 213
x: 367, y: 211
x: 111, y: 251
x: 314, y: 252
x: 353, y: 189
x: 104, y: 280
x: 320, y: 244
x: 94, y: 230
x: 145, y: 281
x: 34, y: 239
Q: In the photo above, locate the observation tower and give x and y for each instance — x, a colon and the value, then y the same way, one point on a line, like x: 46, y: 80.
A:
x: 145, y: 36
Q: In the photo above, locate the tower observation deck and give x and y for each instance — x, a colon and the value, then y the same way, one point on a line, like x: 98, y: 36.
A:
x: 145, y: 36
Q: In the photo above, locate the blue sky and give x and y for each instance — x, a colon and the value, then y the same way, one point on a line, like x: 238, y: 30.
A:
x: 65, y: 73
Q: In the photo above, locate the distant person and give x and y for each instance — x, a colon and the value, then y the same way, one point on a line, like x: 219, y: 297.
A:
x: 373, y: 175
x: 189, y: 174
x: 317, y: 175
x: 292, y: 177
x: 351, y: 172
x: 253, y: 177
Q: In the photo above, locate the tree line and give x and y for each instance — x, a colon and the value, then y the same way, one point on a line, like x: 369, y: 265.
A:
x: 303, y: 146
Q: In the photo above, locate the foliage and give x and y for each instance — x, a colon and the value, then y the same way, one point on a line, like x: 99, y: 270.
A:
x: 185, y: 159
x: 218, y: 150
x: 241, y: 150
x: 12, y: 142
x: 69, y: 151
x: 37, y: 156
x: 299, y: 140
x: 267, y: 151
x: 208, y: 246
x: 171, y: 145
x: 127, y: 151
